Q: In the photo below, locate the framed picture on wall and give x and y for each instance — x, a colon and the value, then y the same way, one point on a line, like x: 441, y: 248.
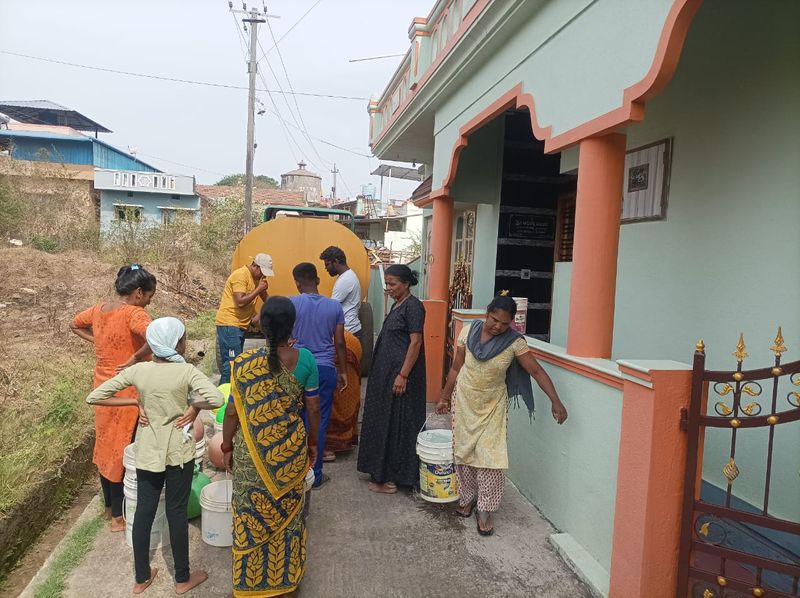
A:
x: 646, y: 183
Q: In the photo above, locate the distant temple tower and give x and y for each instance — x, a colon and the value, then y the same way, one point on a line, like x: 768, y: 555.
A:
x: 303, y: 180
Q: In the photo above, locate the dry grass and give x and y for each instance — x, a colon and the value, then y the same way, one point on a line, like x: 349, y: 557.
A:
x: 45, y: 417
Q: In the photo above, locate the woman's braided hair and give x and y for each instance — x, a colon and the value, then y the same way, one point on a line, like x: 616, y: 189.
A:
x: 277, y: 322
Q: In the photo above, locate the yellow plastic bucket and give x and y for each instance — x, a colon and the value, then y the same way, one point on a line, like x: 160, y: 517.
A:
x: 437, y: 469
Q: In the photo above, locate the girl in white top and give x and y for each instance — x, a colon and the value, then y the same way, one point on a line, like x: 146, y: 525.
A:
x: 171, y: 392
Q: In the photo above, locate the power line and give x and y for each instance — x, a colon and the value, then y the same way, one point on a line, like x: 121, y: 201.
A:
x: 277, y: 112
x: 175, y: 79
x: 289, y: 30
x: 178, y: 163
x: 287, y: 135
x: 301, y: 123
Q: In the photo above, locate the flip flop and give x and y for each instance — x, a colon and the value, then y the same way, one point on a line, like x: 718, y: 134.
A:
x: 329, y: 457
x: 482, y: 532
x: 324, y: 479
x: 466, y: 515
x: 147, y: 584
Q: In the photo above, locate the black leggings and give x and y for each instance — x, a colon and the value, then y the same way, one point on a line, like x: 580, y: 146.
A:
x: 112, y: 495
x: 148, y: 491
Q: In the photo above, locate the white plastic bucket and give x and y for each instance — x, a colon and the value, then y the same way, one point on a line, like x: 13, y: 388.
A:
x: 216, y: 520
x: 437, y: 470
x: 521, y: 318
x: 199, y: 450
x: 158, y: 533
x: 310, y: 477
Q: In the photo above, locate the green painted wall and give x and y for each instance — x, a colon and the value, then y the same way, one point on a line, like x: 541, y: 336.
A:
x: 478, y: 183
x: 726, y: 259
x: 552, y: 48
x: 559, y: 319
x: 570, y: 472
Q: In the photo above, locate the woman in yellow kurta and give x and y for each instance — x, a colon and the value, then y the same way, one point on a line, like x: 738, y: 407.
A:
x: 492, y: 366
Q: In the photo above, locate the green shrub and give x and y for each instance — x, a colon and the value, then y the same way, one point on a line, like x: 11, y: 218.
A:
x: 12, y: 212
x: 43, y: 243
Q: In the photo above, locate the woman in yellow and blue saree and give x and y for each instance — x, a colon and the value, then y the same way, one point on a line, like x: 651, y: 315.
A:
x: 266, y: 438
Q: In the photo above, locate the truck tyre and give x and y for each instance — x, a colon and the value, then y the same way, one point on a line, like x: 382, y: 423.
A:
x: 367, y: 337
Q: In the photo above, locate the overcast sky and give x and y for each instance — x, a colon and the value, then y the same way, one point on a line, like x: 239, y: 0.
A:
x: 204, y: 128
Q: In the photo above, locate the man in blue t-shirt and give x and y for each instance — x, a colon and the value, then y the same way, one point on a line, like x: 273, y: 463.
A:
x: 319, y: 327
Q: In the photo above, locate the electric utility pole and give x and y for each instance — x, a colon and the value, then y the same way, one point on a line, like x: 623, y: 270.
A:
x: 253, y: 18
x: 335, y: 171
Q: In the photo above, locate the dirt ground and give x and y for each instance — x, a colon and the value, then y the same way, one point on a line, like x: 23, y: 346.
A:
x: 41, y: 292
x: 39, y: 295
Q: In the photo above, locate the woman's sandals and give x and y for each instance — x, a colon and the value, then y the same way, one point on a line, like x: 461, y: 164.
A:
x: 482, y: 518
x: 466, y: 510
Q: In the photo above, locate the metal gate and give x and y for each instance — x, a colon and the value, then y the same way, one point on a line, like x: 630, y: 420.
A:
x: 731, y: 548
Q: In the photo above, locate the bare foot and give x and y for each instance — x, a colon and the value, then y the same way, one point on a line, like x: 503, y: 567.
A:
x: 117, y: 524
x: 195, y: 579
x: 138, y: 588
x: 382, y: 488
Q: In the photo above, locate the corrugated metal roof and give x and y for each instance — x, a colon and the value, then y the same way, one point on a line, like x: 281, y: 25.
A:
x: 45, y: 112
x: 44, y: 135
x: 40, y: 104
x: 119, y: 160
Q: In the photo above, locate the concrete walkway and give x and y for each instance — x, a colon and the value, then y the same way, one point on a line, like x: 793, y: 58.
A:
x: 364, y: 545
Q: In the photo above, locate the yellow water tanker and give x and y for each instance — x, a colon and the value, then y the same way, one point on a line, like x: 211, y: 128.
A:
x: 292, y: 240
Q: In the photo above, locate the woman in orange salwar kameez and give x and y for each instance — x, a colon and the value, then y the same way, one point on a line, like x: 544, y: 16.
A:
x: 117, y: 330
x: 343, y: 426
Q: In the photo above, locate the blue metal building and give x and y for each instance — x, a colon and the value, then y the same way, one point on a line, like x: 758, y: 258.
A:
x: 46, y: 146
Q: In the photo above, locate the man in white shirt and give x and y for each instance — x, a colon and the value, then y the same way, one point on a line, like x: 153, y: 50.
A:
x: 346, y: 289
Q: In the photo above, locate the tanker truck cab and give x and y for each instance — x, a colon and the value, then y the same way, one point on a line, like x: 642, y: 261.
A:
x: 294, y: 234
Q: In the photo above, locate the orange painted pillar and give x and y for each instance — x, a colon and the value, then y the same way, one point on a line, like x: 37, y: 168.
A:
x: 601, y: 165
x: 650, y: 480
x: 435, y: 333
x: 435, y: 336
x: 441, y: 248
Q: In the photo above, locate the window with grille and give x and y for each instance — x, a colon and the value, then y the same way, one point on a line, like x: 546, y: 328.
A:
x: 128, y: 213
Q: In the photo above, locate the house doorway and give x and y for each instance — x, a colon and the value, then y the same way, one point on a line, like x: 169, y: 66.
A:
x: 533, y: 198
x: 463, y: 259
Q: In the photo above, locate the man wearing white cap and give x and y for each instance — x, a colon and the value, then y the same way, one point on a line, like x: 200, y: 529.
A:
x: 237, y: 309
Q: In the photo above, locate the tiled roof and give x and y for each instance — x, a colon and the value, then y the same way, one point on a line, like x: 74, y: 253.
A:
x: 260, y: 196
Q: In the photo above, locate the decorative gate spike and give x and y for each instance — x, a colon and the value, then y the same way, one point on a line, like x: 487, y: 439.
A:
x: 740, y: 354
x: 778, y: 347
x: 731, y: 471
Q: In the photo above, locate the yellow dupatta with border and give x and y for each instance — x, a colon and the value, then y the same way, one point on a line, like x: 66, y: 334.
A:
x: 270, y: 463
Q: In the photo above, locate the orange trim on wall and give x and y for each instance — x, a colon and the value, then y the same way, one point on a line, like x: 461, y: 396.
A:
x: 514, y: 98
x: 581, y: 370
x: 434, y: 336
x: 665, y: 62
x: 650, y: 481
x: 470, y: 18
x: 601, y: 170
